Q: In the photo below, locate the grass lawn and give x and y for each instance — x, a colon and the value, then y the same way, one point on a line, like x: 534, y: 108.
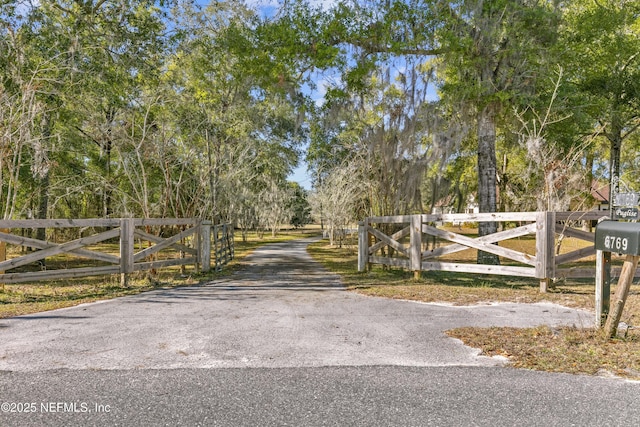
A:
x: 581, y: 349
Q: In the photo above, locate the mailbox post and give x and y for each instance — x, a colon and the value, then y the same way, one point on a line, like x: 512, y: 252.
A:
x: 622, y: 238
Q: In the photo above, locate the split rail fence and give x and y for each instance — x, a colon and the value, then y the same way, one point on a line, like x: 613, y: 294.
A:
x: 176, y: 242
x: 223, y: 244
x: 408, y: 243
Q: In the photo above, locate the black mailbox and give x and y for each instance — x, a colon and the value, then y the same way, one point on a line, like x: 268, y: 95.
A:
x: 618, y: 237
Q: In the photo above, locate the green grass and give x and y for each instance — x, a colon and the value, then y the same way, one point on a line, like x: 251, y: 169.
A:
x: 567, y: 349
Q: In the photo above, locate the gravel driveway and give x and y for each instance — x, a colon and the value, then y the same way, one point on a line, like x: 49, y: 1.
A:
x: 282, y: 310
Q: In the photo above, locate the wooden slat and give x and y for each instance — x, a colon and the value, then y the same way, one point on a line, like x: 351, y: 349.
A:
x: 39, y: 244
x: 491, y: 238
x: 394, y: 262
x: 162, y: 243
x: 383, y: 237
x: 35, y: 276
x: 575, y: 273
x: 575, y: 255
x: 395, y: 236
x: 58, y: 249
x: 141, y: 222
x: 581, y: 215
x: 572, y: 232
x: 503, y: 270
x: 399, y: 219
x: 483, y: 217
x: 475, y: 244
x: 58, y: 223
x: 156, y: 239
x: 141, y: 266
x: 94, y: 222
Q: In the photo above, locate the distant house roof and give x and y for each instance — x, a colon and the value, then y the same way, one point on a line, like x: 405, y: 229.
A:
x: 600, y: 191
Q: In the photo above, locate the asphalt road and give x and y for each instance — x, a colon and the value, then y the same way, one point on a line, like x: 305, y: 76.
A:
x: 282, y: 343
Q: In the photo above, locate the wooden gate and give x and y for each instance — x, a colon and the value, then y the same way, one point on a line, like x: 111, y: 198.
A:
x: 409, y: 248
x: 176, y: 242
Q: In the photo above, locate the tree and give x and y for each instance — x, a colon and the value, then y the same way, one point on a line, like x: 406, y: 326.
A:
x: 29, y: 79
x: 336, y: 200
x: 488, y: 56
x: 602, y: 39
x: 90, y: 57
x: 556, y: 174
x: 274, y: 206
x: 299, y: 206
x: 382, y: 122
x: 236, y: 104
x: 19, y: 139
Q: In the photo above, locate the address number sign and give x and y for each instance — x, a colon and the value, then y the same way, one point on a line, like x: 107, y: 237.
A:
x: 626, y: 199
x: 616, y: 243
x: 619, y: 237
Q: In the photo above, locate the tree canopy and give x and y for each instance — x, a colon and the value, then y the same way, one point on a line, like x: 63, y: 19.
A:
x: 173, y: 108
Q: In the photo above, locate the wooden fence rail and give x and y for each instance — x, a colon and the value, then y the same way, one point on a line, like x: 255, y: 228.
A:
x: 416, y: 255
x: 180, y: 241
x: 223, y: 245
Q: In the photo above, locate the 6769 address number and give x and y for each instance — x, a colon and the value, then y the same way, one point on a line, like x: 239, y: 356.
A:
x: 615, y: 243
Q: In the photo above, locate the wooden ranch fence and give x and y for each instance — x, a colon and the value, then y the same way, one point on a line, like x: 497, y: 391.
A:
x: 410, y: 248
x: 189, y: 243
x: 223, y: 244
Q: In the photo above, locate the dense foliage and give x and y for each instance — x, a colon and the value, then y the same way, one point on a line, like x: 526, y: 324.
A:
x: 177, y: 108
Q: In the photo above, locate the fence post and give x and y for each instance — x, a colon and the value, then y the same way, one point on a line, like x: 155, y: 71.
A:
x: 3, y: 253
x: 225, y: 231
x: 3, y: 248
x: 127, y: 229
x: 232, y: 244
x: 415, y: 242
x: 603, y: 286
x: 363, y: 246
x: 205, y: 246
x: 545, y: 249
x: 622, y: 291
x: 216, y: 249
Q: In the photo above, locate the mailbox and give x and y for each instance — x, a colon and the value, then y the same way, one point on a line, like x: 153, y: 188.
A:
x: 618, y: 237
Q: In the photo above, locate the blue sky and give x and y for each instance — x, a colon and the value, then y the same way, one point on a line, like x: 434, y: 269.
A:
x: 300, y: 176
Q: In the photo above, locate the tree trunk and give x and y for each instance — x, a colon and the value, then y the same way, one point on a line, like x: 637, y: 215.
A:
x: 106, y: 194
x: 43, y: 188
x: 487, y: 199
x: 586, y: 225
x: 615, y: 138
x: 43, y: 207
x: 213, y: 166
